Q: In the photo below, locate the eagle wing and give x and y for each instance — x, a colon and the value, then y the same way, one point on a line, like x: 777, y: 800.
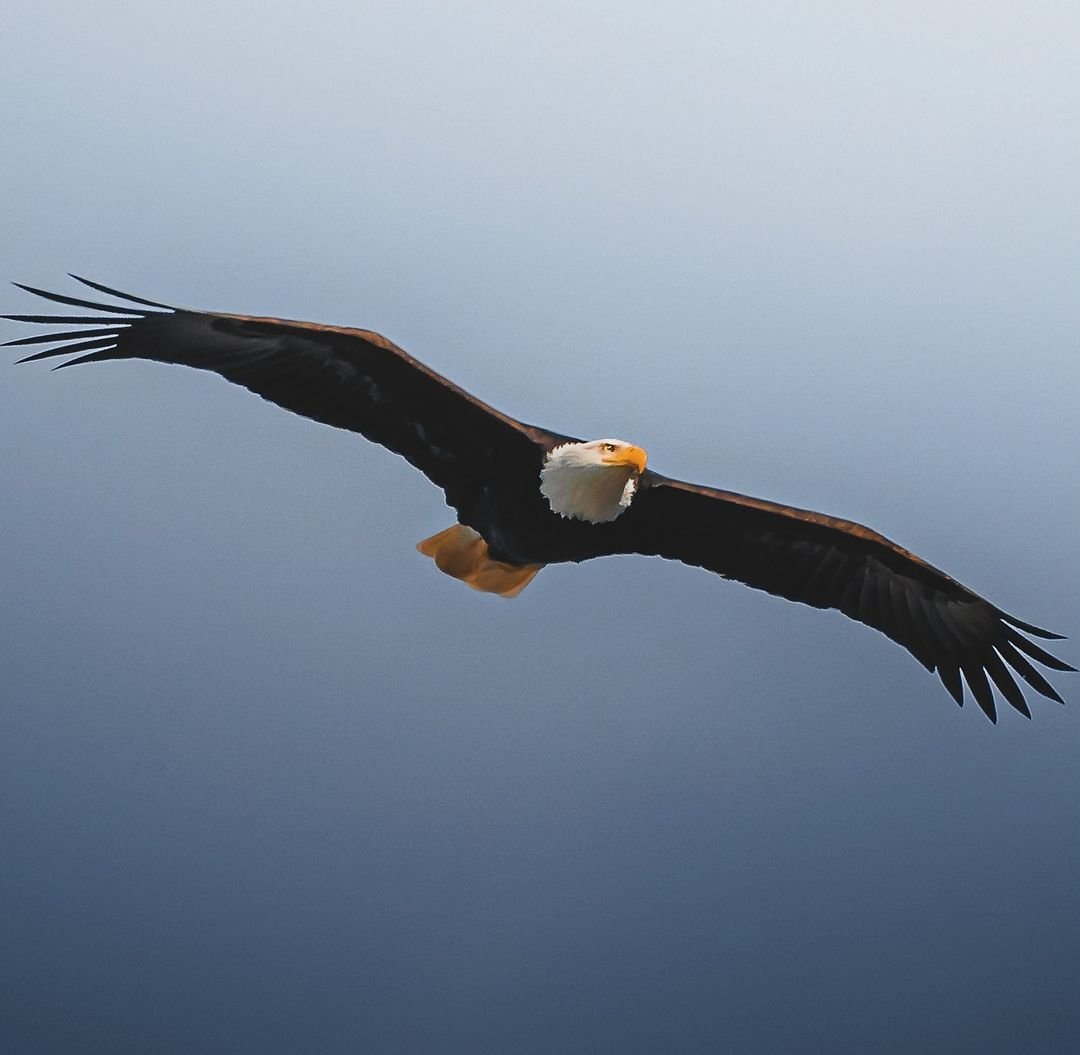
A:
x: 349, y: 378
x: 358, y: 380
x: 832, y: 563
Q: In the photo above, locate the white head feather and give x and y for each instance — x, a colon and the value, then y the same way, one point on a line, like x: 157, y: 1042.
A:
x: 592, y: 481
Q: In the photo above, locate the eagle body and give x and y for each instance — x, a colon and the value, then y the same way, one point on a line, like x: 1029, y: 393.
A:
x: 526, y: 497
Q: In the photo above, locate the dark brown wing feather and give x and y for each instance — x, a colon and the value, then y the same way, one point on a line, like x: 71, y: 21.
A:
x: 488, y: 463
x: 831, y: 563
x: 350, y: 378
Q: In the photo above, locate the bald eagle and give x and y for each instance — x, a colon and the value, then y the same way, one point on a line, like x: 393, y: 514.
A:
x: 526, y: 497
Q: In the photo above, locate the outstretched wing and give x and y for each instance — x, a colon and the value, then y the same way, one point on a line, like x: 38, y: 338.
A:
x: 350, y: 378
x: 831, y: 563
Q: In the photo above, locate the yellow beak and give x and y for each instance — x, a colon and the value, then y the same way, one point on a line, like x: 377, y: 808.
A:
x: 634, y: 457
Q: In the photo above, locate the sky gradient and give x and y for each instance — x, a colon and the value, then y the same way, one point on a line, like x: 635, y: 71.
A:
x: 269, y: 782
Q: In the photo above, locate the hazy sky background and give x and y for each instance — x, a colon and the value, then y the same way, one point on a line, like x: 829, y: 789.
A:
x: 269, y: 782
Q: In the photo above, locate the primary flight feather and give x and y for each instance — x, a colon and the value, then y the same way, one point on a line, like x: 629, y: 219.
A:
x: 526, y: 497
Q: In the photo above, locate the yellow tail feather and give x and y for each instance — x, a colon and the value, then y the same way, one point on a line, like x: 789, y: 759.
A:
x: 462, y: 554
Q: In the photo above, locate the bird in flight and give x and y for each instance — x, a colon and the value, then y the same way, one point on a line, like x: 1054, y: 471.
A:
x: 526, y: 497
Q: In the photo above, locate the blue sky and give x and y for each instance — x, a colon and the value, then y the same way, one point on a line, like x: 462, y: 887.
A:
x: 268, y: 781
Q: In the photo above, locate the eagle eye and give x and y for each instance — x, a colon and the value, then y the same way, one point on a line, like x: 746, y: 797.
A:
x: 609, y: 446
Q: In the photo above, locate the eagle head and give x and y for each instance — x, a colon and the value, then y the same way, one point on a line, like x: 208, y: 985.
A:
x: 593, y: 481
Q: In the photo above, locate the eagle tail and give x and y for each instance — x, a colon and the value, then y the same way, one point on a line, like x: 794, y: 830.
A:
x: 462, y: 553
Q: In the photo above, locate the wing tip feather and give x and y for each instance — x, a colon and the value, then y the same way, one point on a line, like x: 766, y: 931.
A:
x: 91, y: 357
x: 1030, y: 628
x: 950, y: 678
x: 111, y: 309
x: 120, y: 293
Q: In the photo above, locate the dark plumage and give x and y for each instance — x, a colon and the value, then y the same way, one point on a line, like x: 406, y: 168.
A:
x: 489, y: 466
